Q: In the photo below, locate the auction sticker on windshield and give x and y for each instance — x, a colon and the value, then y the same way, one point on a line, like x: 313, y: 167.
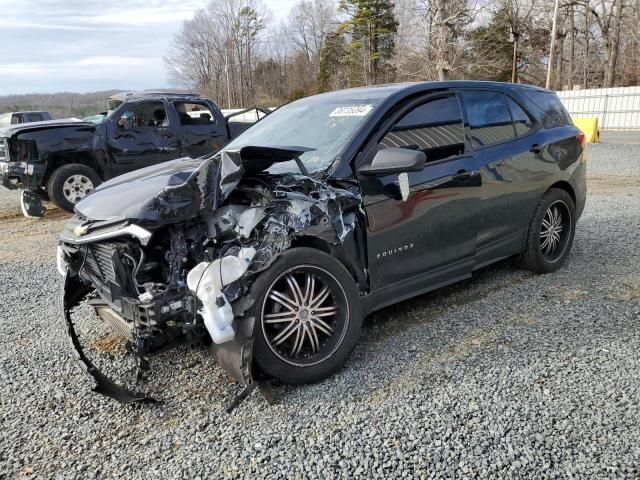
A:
x: 352, y: 111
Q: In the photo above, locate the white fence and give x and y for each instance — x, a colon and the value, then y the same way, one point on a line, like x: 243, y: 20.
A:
x: 616, y: 108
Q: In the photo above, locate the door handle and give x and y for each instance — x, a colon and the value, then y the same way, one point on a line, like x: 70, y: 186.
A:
x: 536, y: 148
x: 463, y: 176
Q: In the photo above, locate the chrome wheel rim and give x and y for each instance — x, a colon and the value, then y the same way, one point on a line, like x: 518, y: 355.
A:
x: 555, y: 231
x: 76, y: 187
x: 304, y: 316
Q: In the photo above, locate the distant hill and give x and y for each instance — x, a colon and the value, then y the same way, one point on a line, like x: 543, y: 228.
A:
x: 59, y: 105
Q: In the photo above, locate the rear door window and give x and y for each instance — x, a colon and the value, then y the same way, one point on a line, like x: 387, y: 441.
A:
x: 194, y: 114
x: 435, y: 127
x: 521, y: 119
x: 489, y: 118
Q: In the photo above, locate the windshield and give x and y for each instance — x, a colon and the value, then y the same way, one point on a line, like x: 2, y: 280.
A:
x: 325, y: 123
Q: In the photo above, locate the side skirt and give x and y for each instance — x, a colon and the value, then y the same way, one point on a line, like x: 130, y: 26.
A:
x: 417, y: 285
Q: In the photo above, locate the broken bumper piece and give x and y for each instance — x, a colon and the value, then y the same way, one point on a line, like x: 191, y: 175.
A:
x: 74, y: 293
x: 234, y: 356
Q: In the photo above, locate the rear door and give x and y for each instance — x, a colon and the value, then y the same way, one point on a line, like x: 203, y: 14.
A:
x: 152, y: 139
x: 201, y: 130
x: 429, y: 237
x: 500, y: 132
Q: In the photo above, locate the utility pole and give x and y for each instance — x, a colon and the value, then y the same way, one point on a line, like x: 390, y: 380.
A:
x: 226, y: 71
x: 514, y: 61
x: 554, y: 29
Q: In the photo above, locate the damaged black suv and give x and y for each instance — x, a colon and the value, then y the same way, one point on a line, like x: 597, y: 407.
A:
x: 274, y: 249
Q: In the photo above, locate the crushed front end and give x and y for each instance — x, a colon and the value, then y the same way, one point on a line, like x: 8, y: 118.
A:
x: 180, y: 269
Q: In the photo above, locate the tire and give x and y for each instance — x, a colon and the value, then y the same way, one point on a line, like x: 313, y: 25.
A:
x: 546, y: 252
x: 70, y: 183
x: 321, y: 351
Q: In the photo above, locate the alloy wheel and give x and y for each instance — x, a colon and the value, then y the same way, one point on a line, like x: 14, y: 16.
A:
x: 76, y: 187
x: 555, y: 231
x: 304, y: 315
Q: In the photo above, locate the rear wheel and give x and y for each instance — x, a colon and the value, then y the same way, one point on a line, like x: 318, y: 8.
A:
x: 70, y: 183
x: 308, y: 316
x: 551, y: 232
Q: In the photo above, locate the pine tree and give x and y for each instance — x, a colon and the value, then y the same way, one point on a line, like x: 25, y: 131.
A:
x: 371, y: 29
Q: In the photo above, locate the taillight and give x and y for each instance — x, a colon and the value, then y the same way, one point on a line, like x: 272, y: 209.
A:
x: 582, y: 140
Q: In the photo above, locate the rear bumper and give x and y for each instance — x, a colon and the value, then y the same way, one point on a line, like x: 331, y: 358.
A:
x: 579, y: 184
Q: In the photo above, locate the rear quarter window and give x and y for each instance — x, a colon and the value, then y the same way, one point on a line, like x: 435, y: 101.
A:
x: 553, y: 112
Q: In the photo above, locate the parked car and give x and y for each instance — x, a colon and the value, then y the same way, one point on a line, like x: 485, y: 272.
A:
x: 14, y: 118
x: 66, y: 159
x: 334, y: 206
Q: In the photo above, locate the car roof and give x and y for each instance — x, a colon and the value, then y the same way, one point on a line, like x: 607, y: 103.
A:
x: 24, y: 111
x: 149, y: 95
x: 405, y: 89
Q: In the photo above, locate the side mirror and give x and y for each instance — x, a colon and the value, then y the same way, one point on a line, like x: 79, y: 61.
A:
x: 395, y: 160
x: 127, y: 121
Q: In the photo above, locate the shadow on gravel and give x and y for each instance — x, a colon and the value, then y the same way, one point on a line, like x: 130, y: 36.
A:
x: 425, y: 308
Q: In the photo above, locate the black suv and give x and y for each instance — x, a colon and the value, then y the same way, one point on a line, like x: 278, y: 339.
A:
x: 274, y: 249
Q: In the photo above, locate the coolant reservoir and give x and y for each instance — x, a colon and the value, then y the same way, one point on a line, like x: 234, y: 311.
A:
x: 206, y: 280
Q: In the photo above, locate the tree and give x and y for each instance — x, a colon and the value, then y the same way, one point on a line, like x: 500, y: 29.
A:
x: 492, y: 43
x: 334, y: 61
x: 215, y: 51
x: 371, y: 27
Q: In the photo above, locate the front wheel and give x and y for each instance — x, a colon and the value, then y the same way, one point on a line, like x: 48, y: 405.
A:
x: 551, y: 232
x: 70, y: 183
x: 308, y: 316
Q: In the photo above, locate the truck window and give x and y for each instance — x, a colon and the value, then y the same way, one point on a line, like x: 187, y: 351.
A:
x: 149, y: 114
x: 35, y: 117
x: 489, y: 118
x: 15, y: 119
x: 435, y: 127
x: 194, y: 114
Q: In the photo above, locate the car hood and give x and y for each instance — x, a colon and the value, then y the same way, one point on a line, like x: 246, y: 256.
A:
x: 47, y: 124
x: 178, y: 190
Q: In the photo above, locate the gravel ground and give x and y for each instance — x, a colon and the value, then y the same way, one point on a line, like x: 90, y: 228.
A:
x: 508, y: 374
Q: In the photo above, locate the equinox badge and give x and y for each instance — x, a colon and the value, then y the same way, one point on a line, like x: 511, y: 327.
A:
x: 393, y: 251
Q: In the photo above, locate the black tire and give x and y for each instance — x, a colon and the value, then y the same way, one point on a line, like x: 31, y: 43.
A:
x: 58, y: 184
x: 538, y: 256
x: 332, y: 350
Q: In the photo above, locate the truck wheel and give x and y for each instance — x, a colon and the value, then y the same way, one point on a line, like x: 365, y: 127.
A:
x: 70, y: 183
x: 308, y: 316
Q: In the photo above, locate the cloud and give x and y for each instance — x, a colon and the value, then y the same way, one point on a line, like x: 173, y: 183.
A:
x: 81, y: 45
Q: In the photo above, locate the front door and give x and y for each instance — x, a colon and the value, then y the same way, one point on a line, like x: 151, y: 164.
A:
x: 431, y: 233
x: 141, y: 135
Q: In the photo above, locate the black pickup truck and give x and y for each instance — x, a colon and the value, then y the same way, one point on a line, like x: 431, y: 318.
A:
x: 64, y: 160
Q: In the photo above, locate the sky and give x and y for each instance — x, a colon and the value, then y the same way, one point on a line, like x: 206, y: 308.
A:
x: 90, y: 45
